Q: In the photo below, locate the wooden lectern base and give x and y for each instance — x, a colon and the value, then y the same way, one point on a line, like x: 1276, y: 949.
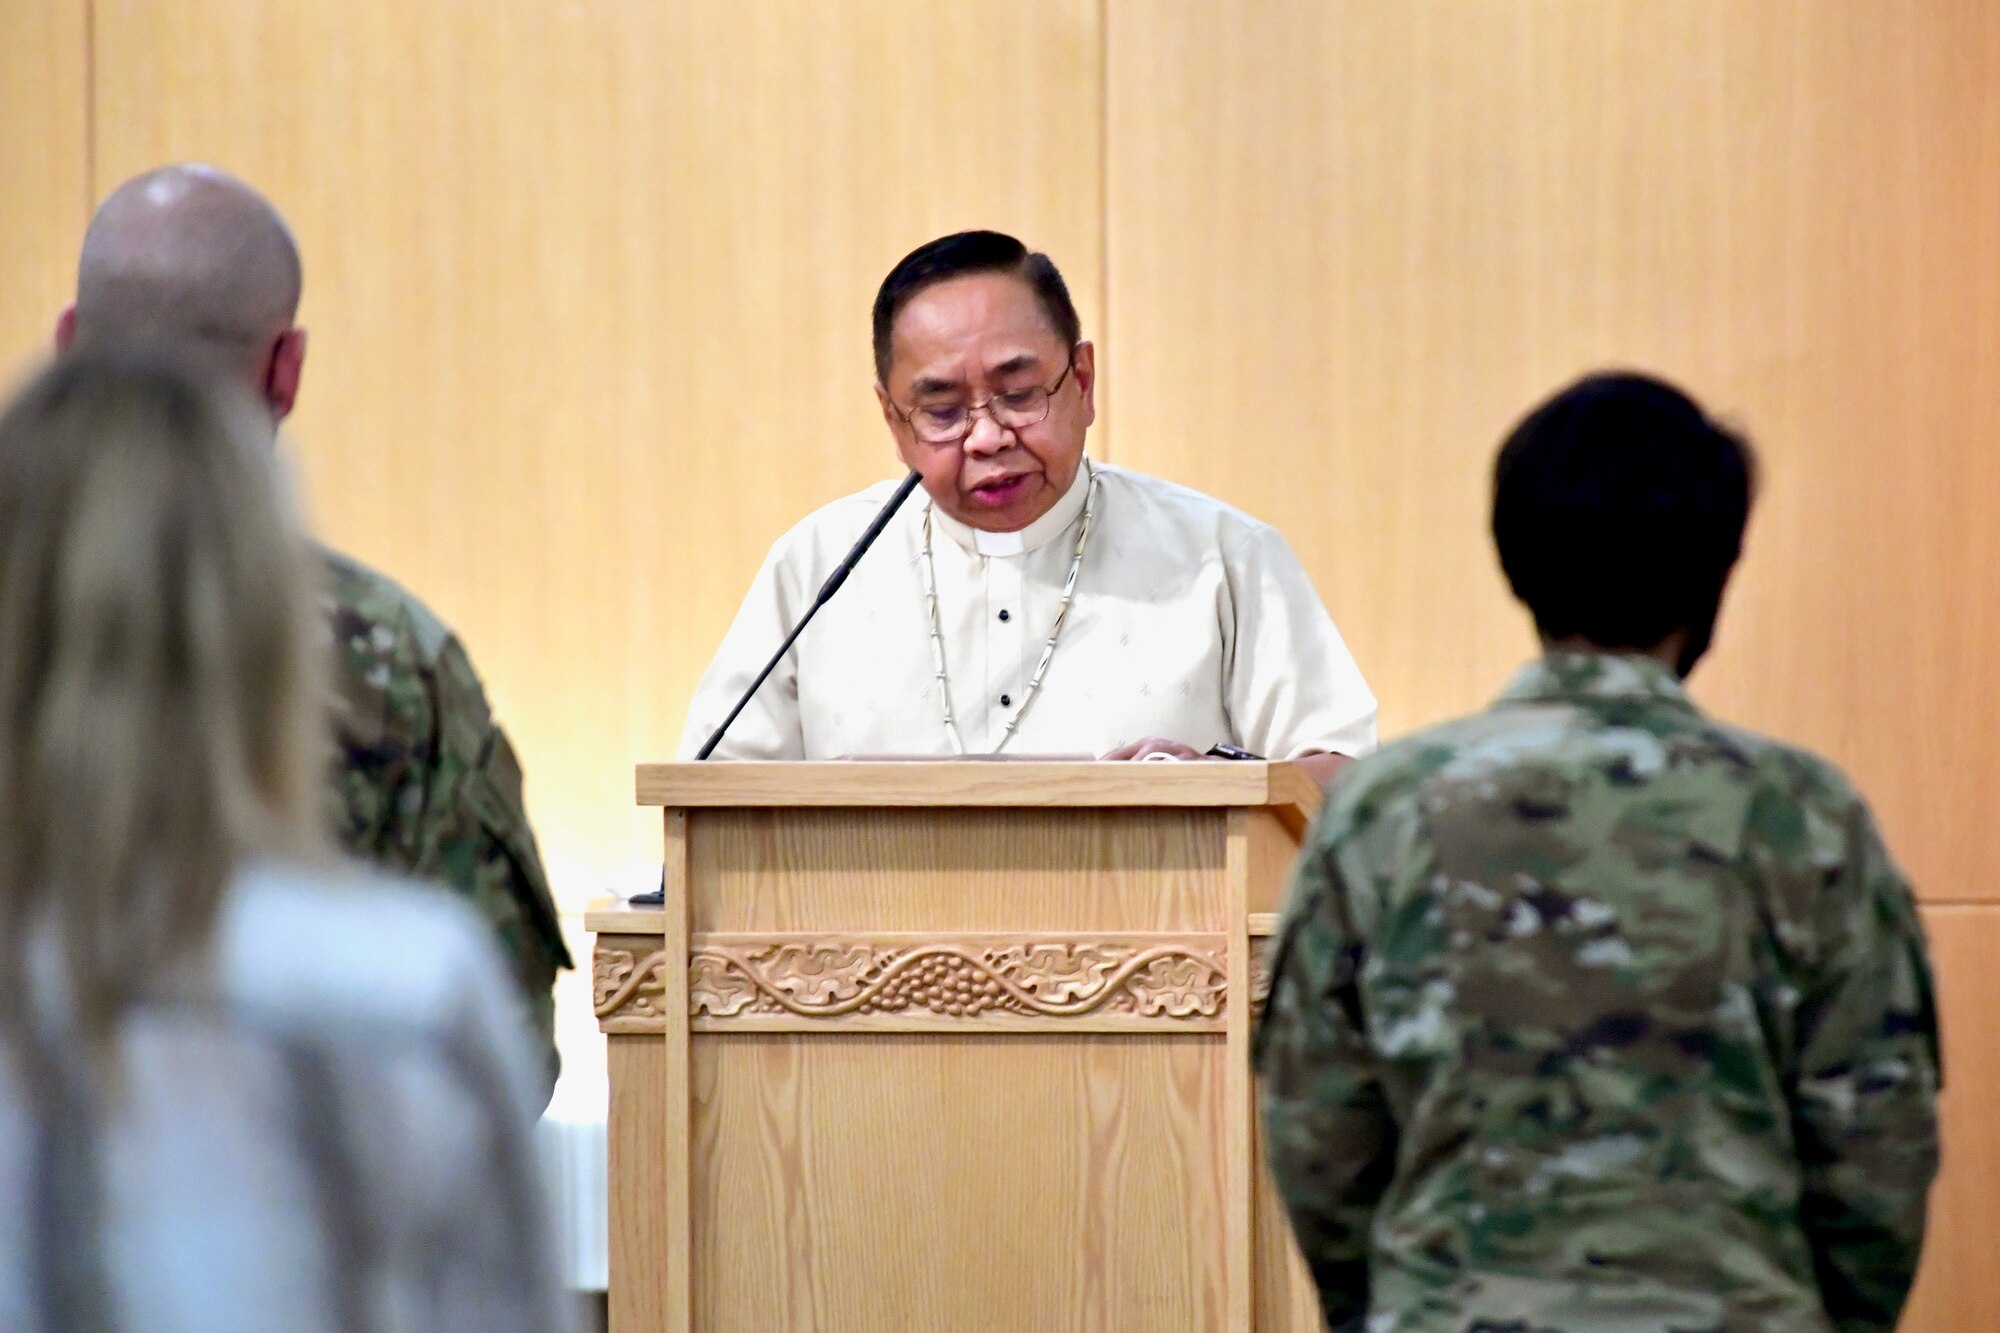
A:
x: 933, y: 1046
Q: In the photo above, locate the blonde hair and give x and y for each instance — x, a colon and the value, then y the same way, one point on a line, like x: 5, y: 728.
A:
x: 160, y: 712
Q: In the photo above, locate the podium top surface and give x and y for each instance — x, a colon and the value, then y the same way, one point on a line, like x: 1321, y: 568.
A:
x: 934, y: 783
x: 1284, y: 789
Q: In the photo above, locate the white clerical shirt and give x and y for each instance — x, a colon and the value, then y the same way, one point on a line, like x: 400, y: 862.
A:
x: 1191, y: 621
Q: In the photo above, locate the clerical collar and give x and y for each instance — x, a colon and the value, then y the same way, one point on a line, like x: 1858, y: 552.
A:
x: 1061, y: 517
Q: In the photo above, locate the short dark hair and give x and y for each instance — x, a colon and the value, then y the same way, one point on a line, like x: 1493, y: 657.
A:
x: 1618, y: 509
x: 971, y: 252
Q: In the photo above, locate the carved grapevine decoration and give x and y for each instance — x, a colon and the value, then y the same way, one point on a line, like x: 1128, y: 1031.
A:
x: 737, y: 976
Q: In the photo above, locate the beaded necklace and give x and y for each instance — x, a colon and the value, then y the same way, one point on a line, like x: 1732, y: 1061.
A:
x: 1048, y: 650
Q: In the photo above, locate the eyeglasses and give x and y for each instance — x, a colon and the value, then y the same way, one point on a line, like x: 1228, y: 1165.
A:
x: 1017, y: 409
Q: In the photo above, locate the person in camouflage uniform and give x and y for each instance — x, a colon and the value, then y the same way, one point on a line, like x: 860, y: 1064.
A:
x: 425, y: 783
x: 1590, y: 1014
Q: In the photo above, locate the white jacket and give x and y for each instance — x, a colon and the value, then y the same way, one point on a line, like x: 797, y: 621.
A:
x: 337, y: 1140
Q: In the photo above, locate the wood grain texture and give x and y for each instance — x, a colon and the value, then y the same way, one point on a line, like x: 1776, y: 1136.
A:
x: 589, y: 289
x: 951, y: 870
x: 1351, y: 242
x: 1287, y: 1300
x: 45, y: 167
x: 975, y: 783
x: 992, y: 1176
x: 614, y: 916
x: 641, y: 1233
x: 1959, y: 1285
x: 1271, y: 842
x: 1239, y: 1238
x: 991, y: 1025
x: 992, y: 869
x: 675, y: 1199
x: 1295, y: 798
x: 930, y: 1183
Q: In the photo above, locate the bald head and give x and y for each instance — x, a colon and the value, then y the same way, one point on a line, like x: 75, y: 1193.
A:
x: 191, y: 256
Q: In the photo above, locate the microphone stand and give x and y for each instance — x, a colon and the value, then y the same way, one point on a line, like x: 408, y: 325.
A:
x: 826, y: 592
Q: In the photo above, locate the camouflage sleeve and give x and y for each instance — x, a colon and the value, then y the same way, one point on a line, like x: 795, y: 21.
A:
x: 385, y: 733
x: 1864, y: 1100
x: 477, y: 839
x: 1328, y: 1134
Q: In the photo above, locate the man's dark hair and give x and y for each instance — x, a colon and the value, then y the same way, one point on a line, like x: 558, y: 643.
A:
x: 971, y: 252
x: 1618, y: 509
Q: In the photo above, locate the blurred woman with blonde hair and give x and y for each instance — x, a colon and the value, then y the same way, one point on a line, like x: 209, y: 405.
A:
x: 242, y: 1086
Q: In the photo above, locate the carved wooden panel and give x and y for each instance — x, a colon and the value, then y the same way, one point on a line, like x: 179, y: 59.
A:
x: 1125, y: 982
x: 626, y: 988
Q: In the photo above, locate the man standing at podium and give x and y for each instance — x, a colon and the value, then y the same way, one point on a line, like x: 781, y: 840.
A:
x: 1028, y: 600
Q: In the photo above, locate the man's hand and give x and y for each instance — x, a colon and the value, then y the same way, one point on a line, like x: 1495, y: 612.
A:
x: 1319, y: 765
x: 1155, y: 745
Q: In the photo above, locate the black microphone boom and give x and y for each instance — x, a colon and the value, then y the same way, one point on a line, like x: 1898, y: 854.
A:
x: 826, y: 592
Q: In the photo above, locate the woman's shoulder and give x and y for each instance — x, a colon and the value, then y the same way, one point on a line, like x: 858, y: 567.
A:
x: 341, y: 950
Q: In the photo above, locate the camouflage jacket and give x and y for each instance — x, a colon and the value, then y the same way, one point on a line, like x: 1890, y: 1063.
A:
x: 1590, y: 1015
x: 426, y: 783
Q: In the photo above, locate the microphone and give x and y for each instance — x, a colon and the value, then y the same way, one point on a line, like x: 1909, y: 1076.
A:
x: 826, y: 592
x: 658, y: 897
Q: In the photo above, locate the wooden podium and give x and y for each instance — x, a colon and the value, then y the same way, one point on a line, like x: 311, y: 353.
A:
x: 951, y: 1046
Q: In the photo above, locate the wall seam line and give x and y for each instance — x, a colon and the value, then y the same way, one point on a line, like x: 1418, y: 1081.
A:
x: 1104, y: 204
x: 89, y: 108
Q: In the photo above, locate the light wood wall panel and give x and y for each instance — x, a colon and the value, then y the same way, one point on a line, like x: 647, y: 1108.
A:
x: 44, y: 170
x: 588, y: 287
x: 1349, y: 243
